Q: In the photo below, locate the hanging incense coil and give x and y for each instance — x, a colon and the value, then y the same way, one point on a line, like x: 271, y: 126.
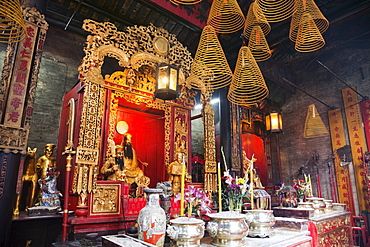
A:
x: 12, y: 27
x: 186, y: 2
x: 248, y: 86
x: 258, y: 45
x: 255, y: 17
x: 226, y: 16
x: 277, y: 10
x: 307, y: 6
x: 210, y: 68
x: 309, y: 37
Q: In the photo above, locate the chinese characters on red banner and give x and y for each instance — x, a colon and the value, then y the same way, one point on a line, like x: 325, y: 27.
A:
x: 19, y: 82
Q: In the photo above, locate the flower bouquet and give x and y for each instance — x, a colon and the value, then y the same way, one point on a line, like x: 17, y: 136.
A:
x: 196, y: 201
x: 237, y: 189
x: 302, y: 188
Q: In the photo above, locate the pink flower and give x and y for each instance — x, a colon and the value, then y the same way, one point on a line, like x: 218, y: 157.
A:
x: 228, y: 177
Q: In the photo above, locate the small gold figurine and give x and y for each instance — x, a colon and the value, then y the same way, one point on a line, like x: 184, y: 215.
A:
x: 174, y: 171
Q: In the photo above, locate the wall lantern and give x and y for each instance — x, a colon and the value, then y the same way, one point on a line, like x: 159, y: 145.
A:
x: 167, y: 77
x: 274, y: 122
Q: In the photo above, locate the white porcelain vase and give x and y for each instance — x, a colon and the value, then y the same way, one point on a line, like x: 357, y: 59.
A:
x: 152, y: 219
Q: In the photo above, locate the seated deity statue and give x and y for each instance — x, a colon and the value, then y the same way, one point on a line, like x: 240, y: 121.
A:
x: 174, y: 171
x: 49, y: 192
x: 125, y: 165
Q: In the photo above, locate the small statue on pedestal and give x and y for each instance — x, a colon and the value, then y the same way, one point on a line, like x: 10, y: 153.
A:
x: 49, y: 192
x: 174, y: 171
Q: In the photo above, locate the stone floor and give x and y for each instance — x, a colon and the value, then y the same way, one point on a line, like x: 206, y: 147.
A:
x: 80, y: 243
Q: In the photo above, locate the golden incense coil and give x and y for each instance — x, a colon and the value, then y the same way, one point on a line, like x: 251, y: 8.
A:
x: 309, y: 37
x: 210, y: 68
x: 12, y: 27
x: 258, y: 45
x: 248, y: 86
x: 226, y: 16
x: 307, y: 6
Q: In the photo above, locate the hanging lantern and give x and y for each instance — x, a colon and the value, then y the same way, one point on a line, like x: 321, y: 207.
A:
x: 167, y: 77
x: 274, y: 122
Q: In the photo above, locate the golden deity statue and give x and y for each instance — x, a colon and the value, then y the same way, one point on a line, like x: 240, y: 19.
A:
x: 124, y: 165
x: 247, y: 166
x: 174, y: 171
x: 45, y: 161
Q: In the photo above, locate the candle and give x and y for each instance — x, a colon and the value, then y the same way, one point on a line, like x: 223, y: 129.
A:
x: 219, y: 187
x: 71, y: 122
x: 310, y: 187
x: 182, y: 189
x: 251, y: 177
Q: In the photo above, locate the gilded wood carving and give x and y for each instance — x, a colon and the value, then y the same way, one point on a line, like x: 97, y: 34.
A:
x: 138, y: 49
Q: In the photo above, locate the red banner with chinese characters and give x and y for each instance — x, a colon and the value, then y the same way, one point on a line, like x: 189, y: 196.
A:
x: 357, y: 143
x: 338, y: 140
x: 19, y: 81
x: 365, y: 110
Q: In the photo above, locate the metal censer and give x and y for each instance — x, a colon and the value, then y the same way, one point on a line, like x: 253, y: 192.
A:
x: 260, y: 223
x: 228, y: 229
x: 186, y: 232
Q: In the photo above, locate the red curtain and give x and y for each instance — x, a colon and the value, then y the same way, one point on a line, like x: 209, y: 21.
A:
x: 253, y: 144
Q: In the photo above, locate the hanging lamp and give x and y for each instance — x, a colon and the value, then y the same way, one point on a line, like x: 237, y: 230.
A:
x: 277, y: 10
x: 12, y: 27
x: 258, y: 45
x: 307, y: 6
x: 309, y: 37
x: 225, y: 16
x: 210, y: 68
x: 248, y: 85
x: 186, y: 2
x: 255, y: 17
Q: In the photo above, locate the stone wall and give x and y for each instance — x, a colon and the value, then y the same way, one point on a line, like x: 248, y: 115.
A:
x: 348, y: 57
x: 62, y: 54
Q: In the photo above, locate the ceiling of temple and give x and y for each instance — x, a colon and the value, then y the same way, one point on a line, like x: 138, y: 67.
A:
x: 186, y: 21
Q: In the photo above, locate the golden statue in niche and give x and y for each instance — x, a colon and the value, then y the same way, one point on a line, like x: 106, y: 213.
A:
x: 124, y: 165
x: 174, y: 171
x: 257, y: 184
